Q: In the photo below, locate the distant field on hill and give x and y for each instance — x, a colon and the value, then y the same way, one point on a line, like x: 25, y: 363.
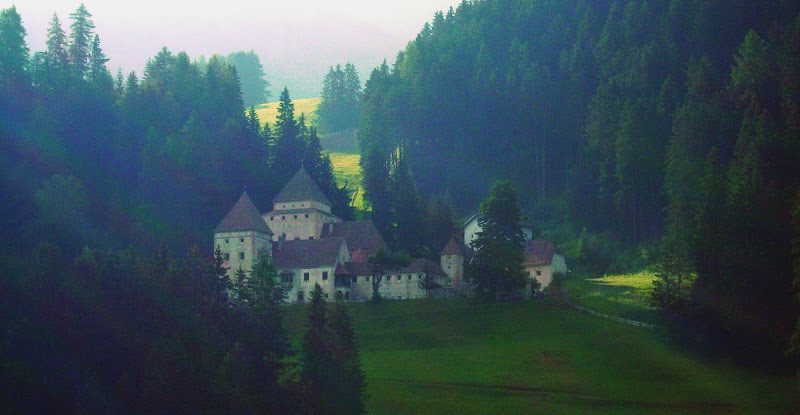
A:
x: 347, y: 170
x: 453, y: 356
x: 267, y: 113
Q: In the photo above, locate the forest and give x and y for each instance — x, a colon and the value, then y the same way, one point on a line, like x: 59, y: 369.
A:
x: 109, y: 187
x: 667, y: 127
x: 640, y: 132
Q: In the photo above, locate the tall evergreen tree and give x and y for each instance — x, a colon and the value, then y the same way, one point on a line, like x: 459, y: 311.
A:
x: 496, y: 269
x: 81, y: 36
x: 13, y: 49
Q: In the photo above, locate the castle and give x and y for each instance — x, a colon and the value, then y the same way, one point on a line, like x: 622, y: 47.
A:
x: 309, y: 245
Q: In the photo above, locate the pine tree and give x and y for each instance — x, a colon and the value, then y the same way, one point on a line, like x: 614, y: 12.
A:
x: 496, y: 269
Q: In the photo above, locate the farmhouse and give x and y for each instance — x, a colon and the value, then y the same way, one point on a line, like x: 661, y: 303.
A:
x: 309, y: 245
x: 542, y: 258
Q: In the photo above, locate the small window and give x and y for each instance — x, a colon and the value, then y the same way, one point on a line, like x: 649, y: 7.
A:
x: 310, y: 237
x: 409, y: 277
x: 306, y: 214
x: 241, y: 240
x: 227, y: 256
x: 355, y: 279
x: 399, y: 277
x: 300, y: 297
x: 538, y: 272
x: 305, y: 276
x: 287, y: 278
x: 366, y: 279
x: 241, y: 255
x: 226, y: 241
x: 283, y: 217
x: 272, y: 218
x: 324, y: 275
x: 295, y: 216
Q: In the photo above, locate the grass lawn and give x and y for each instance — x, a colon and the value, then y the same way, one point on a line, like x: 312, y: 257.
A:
x: 624, y: 295
x: 453, y: 357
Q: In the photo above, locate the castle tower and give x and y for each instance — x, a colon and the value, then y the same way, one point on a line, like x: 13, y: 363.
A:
x: 452, y: 262
x: 242, y: 236
x: 300, y: 210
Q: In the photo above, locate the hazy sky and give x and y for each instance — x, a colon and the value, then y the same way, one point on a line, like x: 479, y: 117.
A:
x: 296, y: 40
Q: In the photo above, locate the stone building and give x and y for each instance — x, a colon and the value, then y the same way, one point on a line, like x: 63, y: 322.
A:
x: 309, y: 245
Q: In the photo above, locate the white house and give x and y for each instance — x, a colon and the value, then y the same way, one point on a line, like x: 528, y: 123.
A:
x: 471, y: 228
x: 542, y: 260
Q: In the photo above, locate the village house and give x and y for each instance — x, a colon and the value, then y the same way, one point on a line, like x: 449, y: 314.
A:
x: 542, y: 258
x: 309, y: 245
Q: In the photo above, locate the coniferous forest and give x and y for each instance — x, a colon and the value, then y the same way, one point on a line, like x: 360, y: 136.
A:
x: 110, y: 186
x: 671, y: 125
x: 666, y: 125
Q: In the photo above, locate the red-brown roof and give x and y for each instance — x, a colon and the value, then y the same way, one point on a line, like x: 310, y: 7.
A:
x: 452, y: 248
x: 307, y: 253
x: 360, y: 235
x: 243, y: 216
x: 301, y: 187
x: 539, y: 252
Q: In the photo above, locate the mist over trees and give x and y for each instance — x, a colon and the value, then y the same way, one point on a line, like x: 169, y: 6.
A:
x: 602, y: 114
x: 340, y: 108
x: 105, y: 183
x: 255, y: 88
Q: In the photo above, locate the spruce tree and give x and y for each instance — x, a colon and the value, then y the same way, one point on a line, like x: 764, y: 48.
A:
x: 13, y: 49
x: 80, y: 48
x: 496, y: 268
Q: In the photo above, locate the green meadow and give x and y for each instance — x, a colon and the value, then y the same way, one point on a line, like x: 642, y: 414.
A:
x: 457, y: 357
x: 621, y: 295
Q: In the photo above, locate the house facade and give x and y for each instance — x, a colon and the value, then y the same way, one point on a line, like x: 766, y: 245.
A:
x: 542, y: 261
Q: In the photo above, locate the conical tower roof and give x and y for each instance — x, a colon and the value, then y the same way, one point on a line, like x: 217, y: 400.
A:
x: 243, y: 216
x: 301, y: 187
x: 452, y: 248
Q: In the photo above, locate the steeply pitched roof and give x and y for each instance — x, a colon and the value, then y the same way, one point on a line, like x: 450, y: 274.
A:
x: 301, y: 187
x: 307, y: 253
x: 452, y: 248
x: 243, y: 216
x: 360, y: 235
x: 539, y: 252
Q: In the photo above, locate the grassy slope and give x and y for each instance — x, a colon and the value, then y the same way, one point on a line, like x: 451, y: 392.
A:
x: 347, y: 170
x: 345, y: 158
x: 625, y: 295
x: 269, y: 111
x: 445, y: 357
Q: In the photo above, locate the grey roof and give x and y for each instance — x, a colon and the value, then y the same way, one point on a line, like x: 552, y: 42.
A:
x: 301, y: 187
x: 307, y: 253
x: 243, y: 216
x: 360, y: 234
